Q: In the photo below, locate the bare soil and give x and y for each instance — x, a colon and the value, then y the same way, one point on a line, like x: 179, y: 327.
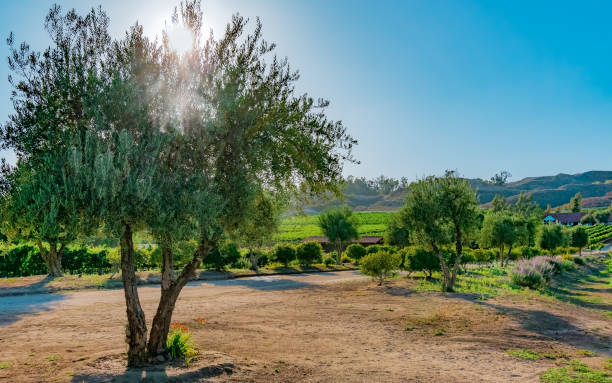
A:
x: 327, y: 327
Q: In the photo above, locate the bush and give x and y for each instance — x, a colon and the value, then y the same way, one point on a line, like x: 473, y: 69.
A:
x: 264, y: 259
x: 578, y: 261
x: 219, y: 259
x: 284, y: 254
x: 356, y: 252
x: 482, y: 256
x: 243, y: 263
x: 345, y: 259
x: 328, y: 261
x: 533, y: 273
x: 380, y: 265
x: 309, y: 253
x: 419, y: 259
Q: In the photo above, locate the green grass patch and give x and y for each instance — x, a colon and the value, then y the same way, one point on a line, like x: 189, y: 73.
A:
x: 524, y: 354
x: 53, y: 358
x: 4, y: 365
x: 585, y: 353
x: 576, y: 372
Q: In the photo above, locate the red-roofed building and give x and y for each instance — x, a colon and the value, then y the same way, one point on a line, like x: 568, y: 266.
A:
x: 567, y: 219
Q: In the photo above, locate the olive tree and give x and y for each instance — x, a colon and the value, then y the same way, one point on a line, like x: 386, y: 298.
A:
x: 580, y: 238
x: 183, y: 144
x: 340, y: 227
x: 442, y: 211
x: 499, y: 230
x: 49, y: 92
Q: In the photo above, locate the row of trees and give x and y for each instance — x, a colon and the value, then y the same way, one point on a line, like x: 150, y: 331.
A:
x: 125, y: 135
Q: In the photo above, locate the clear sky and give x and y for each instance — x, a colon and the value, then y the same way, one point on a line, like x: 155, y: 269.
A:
x: 477, y: 86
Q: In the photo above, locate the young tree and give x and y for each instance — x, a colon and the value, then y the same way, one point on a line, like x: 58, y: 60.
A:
x: 261, y: 223
x: 380, y: 265
x: 182, y: 144
x: 499, y: 203
x: 551, y: 237
x: 501, y: 178
x: 50, y: 91
x: 397, y: 234
x: 339, y: 226
x: 576, y: 203
x: 442, y: 210
x: 580, y: 238
x: 499, y: 231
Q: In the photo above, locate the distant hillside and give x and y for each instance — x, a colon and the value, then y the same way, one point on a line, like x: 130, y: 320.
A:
x: 385, y: 194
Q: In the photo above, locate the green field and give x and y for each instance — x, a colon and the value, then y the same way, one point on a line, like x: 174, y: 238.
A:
x: 294, y: 229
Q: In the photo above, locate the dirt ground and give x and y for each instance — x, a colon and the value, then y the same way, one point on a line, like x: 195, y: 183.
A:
x: 328, y: 327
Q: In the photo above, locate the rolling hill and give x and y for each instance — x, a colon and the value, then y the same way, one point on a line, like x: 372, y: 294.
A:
x: 595, y: 187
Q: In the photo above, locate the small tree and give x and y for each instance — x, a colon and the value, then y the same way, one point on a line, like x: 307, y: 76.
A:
x: 576, y: 203
x: 262, y: 222
x: 308, y: 253
x: 498, y: 230
x: 501, y: 178
x: 284, y: 254
x: 356, y: 251
x: 397, y: 234
x: 380, y: 265
x: 441, y: 211
x: 588, y: 219
x: 339, y: 226
x: 499, y: 203
x: 580, y: 238
x: 551, y: 237
x: 419, y: 259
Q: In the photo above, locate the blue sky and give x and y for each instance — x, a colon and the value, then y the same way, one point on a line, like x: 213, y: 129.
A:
x: 477, y: 86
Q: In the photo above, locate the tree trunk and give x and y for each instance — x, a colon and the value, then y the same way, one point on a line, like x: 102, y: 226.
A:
x: 136, y: 331
x: 339, y: 256
x: 446, y: 276
x: 508, y: 256
x: 170, y: 293
x: 501, y: 255
x: 254, y: 257
x: 52, y: 258
x: 459, y: 255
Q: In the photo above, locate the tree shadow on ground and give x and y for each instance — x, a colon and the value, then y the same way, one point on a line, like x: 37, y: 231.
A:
x: 262, y: 282
x: 22, y: 289
x: 157, y: 374
x: 547, y: 326
x: 13, y: 308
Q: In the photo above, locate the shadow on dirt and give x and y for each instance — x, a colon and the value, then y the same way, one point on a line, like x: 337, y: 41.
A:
x: 157, y: 374
x: 259, y: 283
x: 544, y: 325
x: 13, y: 308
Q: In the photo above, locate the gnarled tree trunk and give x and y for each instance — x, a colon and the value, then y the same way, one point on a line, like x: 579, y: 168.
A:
x: 170, y: 292
x: 136, y: 331
x: 52, y: 258
x: 254, y: 257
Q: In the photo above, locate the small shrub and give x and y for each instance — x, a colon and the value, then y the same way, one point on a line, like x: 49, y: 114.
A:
x: 578, y: 260
x: 380, y: 265
x: 356, y: 251
x: 179, y: 343
x: 328, y: 261
x: 309, y: 253
x: 419, y: 259
x: 4, y: 365
x: 242, y: 263
x: 533, y: 273
x: 284, y: 254
x: 345, y: 259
